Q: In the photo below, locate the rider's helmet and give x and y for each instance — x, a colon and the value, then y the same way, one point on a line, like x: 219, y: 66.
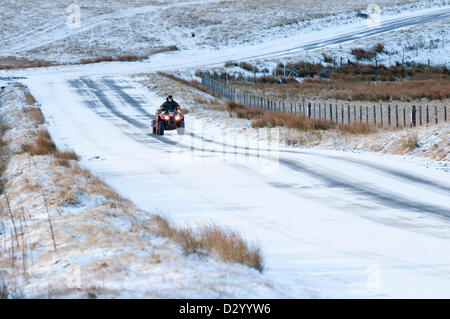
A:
x: 169, y: 98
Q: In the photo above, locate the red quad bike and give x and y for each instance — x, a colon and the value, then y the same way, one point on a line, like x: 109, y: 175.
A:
x: 168, y: 120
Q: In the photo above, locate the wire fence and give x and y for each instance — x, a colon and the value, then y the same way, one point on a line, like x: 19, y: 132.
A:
x: 382, y: 115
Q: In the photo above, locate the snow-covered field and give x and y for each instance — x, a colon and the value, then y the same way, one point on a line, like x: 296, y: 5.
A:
x: 38, y: 29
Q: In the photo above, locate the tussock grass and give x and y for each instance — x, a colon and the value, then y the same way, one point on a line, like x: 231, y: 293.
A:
x: 224, y: 243
x: 8, y: 63
x: 410, y: 142
x: 242, y: 111
x: 43, y: 145
x: 362, y: 54
x: 30, y: 98
x: 35, y: 113
x: 294, y: 121
x: 276, y: 118
x: 357, y: 128
x: 66, y: 155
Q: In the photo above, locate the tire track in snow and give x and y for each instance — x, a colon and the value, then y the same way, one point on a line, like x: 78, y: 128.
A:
x: 386, y: 199
x: 101, y: 96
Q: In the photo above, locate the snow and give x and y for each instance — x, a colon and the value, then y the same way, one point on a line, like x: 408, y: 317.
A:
x: 41, y: 30
x: 331, y: 224
x: 327, y: 225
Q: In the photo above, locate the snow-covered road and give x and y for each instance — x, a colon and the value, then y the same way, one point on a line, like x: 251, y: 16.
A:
x: 331, y: 224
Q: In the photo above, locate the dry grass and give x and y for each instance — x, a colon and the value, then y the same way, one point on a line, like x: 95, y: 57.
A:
x: 8, y: 63
x: 66, y: 155
x: 121, y: 58
x: 225, y: 243
x: 243, y: 112
x: 410, y: 142
x: 376, y: 91
x: 276, y: 118
x: 30, y: 98
x: 360, y: 82
x: 362, y: 54
x: 35, y: 113
x: 357, y: 128
x: 294, y: 121
x: 43, y: 145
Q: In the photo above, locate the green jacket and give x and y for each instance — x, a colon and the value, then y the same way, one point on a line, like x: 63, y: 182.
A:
x: 169, y: 105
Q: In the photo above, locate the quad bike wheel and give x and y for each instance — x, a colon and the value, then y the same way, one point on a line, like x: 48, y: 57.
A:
x: 161, y: 128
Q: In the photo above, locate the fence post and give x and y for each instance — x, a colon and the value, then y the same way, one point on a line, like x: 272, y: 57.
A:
x: 348, y: 113
x: 381, y: 115
x: 420, y: 115
x: 360, y: 113
x: 428, y: 115
x: 374, y: 115
x: 413, y: 115
x: 342, y: 114
x: 389, y: 115
x: 336, y: 113
x: 331, y: 112
x: 320, y: 112
x: 404, y: 116
x: 396, y: 116
x: 436, y: 113
x: 367, y: 114
x: 445, y: 113
x: 309, y: 109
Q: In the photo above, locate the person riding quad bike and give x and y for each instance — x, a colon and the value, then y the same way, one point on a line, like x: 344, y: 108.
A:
x: 169, y: 104
x: 168, y: 117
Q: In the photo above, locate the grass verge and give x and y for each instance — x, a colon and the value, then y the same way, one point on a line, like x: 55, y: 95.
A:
x: 224, y: 243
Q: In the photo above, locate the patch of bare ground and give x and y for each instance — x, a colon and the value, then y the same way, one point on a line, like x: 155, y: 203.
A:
x: 66, y: 233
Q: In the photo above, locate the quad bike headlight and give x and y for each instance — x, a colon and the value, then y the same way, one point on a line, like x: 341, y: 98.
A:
x: 177, y: 117
x: 166, y: 117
